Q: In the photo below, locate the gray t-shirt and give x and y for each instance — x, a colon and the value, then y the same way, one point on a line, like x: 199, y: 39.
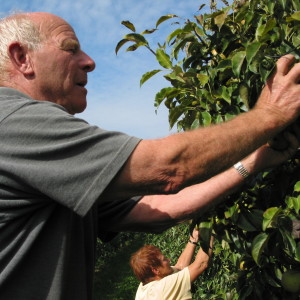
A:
x: 53, y: 169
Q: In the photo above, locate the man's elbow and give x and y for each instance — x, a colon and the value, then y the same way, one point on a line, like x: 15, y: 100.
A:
x: 175, y: 180
x: 174, y: 185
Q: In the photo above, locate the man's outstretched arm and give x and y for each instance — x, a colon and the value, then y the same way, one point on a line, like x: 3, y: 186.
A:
x: 166, y: 165
x: 159, y: 212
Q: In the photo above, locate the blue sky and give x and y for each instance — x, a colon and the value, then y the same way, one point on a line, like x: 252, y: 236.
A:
x: 115, y: 99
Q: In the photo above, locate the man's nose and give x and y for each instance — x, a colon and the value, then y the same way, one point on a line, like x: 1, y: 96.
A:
x: 89, y: 63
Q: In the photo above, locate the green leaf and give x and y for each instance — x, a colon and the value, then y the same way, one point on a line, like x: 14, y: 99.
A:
x: 137, y: 38
x: 244, y: 224
x: 203, y: 78
x: 271, y: 23
x: 163, y: 58
x: 244, y: 93
x: 296, y: 4
x: 200, y: 31
x: 147, y: 76
x: 224, y: 64
x: 252, y: 50
x: 265, y: 73
x: 220, y: 19
x: 293, y: 203
x: 120, y: 44
x: 271, y: 6
x: 165, y: 93
x: 270, y: 217
x: 173, y: 34
x: 254, y: 65
x: 296, y: 16
x: 237, y: 62
x: 258, y: 245
x: 174, y: 115
x: 133, y: 47
x: 283, y: 3
x: 225, y: 94
x: 231, y: 211
x: 196, y: 124
x: 128, y: 25
x: 205, y: 229
x: 229, y: 116
x: 173, y: 77
x: 164, y: 18
x: 218, y: 119
x: 206, y: 118
x: 267, y: 275
x: 263, y: 29
x: 289, y: 241
x: 149, y: 31
x: 181, y: 44
x: 297, y: 186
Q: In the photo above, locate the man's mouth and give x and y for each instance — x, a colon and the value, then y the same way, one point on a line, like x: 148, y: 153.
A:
x: 82, y: 83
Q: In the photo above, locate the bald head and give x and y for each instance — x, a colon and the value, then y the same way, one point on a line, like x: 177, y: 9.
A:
x: 46, y: 22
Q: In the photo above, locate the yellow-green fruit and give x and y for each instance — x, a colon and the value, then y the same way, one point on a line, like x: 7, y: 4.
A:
x: 243, y: 265
x: 291, y: 281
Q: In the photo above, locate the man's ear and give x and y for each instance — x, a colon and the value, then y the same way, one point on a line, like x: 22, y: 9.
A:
x: 20, y: 58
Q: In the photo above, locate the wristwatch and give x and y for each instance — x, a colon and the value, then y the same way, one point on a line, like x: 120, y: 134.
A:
x: 241, y: 169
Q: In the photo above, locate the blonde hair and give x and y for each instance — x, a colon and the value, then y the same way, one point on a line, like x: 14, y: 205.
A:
x: 17, y: 28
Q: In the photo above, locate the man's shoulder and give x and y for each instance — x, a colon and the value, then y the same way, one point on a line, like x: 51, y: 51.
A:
x: 12, y: 101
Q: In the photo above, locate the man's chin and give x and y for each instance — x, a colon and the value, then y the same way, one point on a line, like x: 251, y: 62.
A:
x: 79, y: 108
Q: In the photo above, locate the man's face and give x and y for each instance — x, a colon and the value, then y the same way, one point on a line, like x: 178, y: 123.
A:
x: 165, y: 268
x: 60, y: 66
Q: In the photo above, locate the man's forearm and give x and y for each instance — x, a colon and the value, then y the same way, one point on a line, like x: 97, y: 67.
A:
x: 169, y: 164
x: 159, y: 212
x: 166, y: 165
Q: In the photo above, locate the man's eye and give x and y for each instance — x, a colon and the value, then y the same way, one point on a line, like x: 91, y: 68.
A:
x: 73, y: 50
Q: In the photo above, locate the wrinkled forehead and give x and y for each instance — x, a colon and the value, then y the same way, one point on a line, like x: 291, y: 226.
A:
x: 53, y: 27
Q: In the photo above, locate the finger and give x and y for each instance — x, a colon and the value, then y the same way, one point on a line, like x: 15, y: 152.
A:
x: 294, y: 73
x: 284, y: 64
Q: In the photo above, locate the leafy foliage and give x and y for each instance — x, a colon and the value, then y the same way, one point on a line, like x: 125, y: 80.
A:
x: 216, y: 66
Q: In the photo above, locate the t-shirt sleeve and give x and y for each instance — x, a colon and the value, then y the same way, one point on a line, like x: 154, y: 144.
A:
x: 58, y: 157
x: 111, y: 213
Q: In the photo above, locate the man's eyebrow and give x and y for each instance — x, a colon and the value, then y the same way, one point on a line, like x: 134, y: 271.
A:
x: 69, y: 43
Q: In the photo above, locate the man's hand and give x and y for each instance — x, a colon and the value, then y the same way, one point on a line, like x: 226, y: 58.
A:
x: 281, y: 95
x: 267, y: 157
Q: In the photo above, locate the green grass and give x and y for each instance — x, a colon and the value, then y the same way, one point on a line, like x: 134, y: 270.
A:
x: 114, y: 280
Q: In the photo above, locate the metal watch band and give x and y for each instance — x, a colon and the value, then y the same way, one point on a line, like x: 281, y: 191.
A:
x: 241, y: 169
x: 192, y: 242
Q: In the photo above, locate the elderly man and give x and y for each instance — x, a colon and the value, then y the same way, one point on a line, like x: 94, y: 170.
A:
x: 64, y: 182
